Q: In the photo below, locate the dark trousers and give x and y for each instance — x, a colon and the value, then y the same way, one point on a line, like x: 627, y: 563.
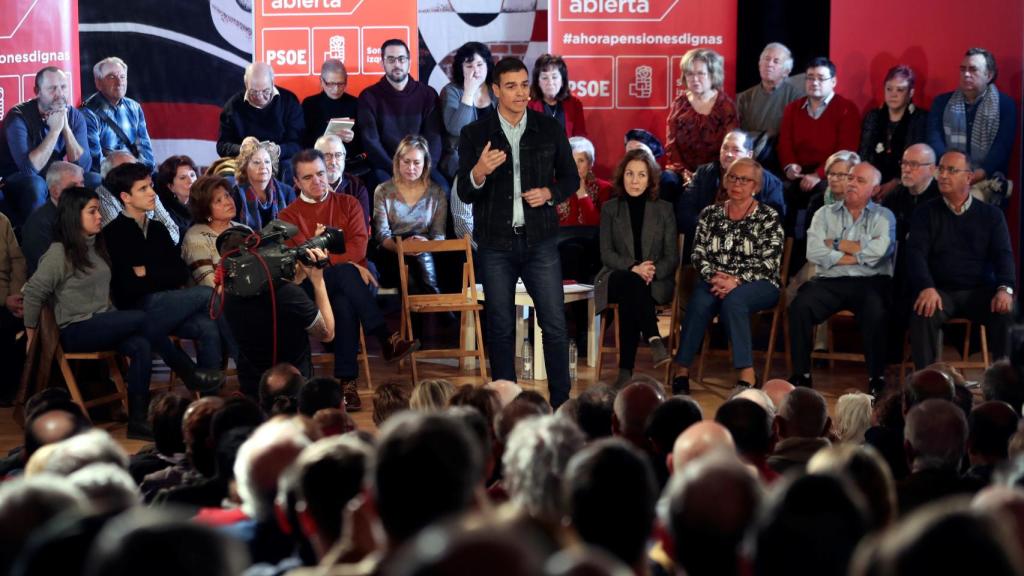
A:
x: 820, y: 298
x: 185, y: 314
x: 353, y: 303
x: 538, y: 265
x: 974, y: 304
x: 636, y: 313
x: 12, y: 354
x: 123, y: 330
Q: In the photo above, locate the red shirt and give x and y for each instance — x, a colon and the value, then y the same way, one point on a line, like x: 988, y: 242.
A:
x: 694, y: 138
x: 809, y: 142
x: 575, y: 124
x: 336, y: 211
x: 586, y: 211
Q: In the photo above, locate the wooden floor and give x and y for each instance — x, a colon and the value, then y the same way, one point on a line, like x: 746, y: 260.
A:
x: 718, y: 383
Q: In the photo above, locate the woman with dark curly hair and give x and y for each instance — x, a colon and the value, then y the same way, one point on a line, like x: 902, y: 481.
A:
x: 466, y: 99
x: 549, y: 94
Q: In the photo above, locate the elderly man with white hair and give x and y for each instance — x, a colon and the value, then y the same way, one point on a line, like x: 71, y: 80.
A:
x: 760, y: 106
x: 341, y: 181
x: 265, y: 112
x: 115, y: 121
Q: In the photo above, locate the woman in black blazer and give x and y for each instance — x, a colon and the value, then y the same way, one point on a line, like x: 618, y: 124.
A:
x: 639, y: 254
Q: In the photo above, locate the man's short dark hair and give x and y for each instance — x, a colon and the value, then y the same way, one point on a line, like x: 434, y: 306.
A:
x: 506, y: 65
x: 1002, y: 381
x: 166, y: 412
x: 307, y: 156
x: 611, y: 492
x: 237, y: 412
x: 670, y: 419
x: 319, y: 393
x: 388, y: 399
x: 439, y: 453
x: 534, y: 397
x: 393, y: 42
x: 330, y: 473
x: 821, y: 61
x: 990, y: 60
x: 749, y: 424
x: 122, y: 178
x: 594, y: 411
x: 990, y: 427
x: 971, y: 164
x: 805, y: 413
x: 39, y: 75
x: 485, y: 400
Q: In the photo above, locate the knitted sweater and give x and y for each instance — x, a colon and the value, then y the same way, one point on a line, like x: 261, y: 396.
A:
x: 129, y: 247
x: 337, y: 211
x: 280, y: 121
x: 387, y: 115
x: 809, y: 142
x: 76, y: 297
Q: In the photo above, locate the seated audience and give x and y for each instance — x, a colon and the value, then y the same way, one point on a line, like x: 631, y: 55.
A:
x: 550, y: 95
x: 595, y: 406
x: 838, y: 175
x: 976, y: 118
x: 935, y: 439
x: 319, y: 393
x: 760, y: 107
x: 536, y: 455
x: 113, y: 120
x: 990, y: 427
x: 110, y: 203
x: 737, y: 254
x: 464, y: 100
x: 639, y: 254
x: 634, y: 405
x: 960, y: 263
x: 411, y: 207
x: 887, y: 131
x: 37, y: 133
x: 28, y: 504
x: 213, y: 211
x: 200, y: 451
x: 1002, y: 382
x: 333, y: 102
x: 174, y: 179
x: 339, y: 173
x: 166, y: 413
x: 851, y: 244
x: 12, y: 312
x: 802, y: 426
x: 75, y: 276
x: 853, y: 417
x: 750, y: 426
x: 580, y: 215
x: 37, y: 232
x: 279, y: 390
x: 668, y: 420
x: 701, y: 115
x: 264, y: 112
x: 431, y: 395
x: 702, y: 438
x: 258, y: 195
x: 389, y: 399
x: 869, y: 473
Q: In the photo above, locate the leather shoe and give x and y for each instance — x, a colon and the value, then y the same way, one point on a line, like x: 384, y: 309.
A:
x: 205, y: 381
x: 659, y: 353
x: 350, y: 392
x: 396, y: 348
x: 681, y: 385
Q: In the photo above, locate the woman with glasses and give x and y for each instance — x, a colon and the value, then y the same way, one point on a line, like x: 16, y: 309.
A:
x: 737, y: 254
x: 639, y: 253
x: 412, y: 207
x: 889, y: 129
x: 258, y: 196
x: 701, y: 115
x: 549, y: 94
x: 467, y: 98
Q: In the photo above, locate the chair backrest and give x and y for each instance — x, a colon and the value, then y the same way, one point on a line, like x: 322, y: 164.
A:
x: 464, y: 245
x: 787, y: 252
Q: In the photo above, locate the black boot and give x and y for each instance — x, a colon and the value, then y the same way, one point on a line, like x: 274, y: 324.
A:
x: 427, y: 273
x: 138, y: 417
x: 205, y: 381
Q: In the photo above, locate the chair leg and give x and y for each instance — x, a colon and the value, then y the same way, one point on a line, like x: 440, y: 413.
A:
x: 115, y: 375
x: 481, y: 357
x: 72, y: 384
x: 364, y: 358
x: 618, y: 343
x: 771, y: 348
x: 966, y: 355
x: 704, y: 348
x: 600, y: 342
x: 984, y: 346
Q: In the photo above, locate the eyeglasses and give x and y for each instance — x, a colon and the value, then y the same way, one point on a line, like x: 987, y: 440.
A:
x: 334, y: 84
x: 951, y: 170
x: 914, y: 165
x: 839, y: 176
x: 818, y: 79
x: 701, y: 74
x: 743, y: 180
x: 264, y: 93
x: 398, y: 59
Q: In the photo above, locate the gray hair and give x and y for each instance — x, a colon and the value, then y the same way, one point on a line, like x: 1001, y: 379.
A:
x: 274, y: 440
x: 92, y: 447
x: 536, y: 457
x: 788, y: 65
x: 108, y: 161
x: 58, y: 170
x: 321, y: 142
x: 937, y: 432
x: 739, y: 133
x: 851, y: 158
x: 333, y: 65
x: 853, y: 417
x: 110, y: 489
x: 713, y: 60
x: 581, y: 144
x: 97, y: 70
x: 257, y: 68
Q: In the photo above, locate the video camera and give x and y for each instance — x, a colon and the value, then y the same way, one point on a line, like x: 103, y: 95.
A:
x: 264, y: 258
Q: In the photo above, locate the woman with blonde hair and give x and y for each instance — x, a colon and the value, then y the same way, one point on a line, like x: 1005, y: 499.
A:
x: 701, y: 115
x: 258, y: 196
x: 431, y: 395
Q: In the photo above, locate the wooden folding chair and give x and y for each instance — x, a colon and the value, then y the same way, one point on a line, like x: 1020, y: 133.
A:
x: 777, y: 313
x: 326, y: 359
x: 965, y: 362
x: 463, y: 302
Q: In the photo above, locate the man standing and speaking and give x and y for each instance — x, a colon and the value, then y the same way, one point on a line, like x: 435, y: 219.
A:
x: 520, y: 166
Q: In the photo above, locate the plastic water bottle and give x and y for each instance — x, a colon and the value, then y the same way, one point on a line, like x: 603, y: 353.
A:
x: 527, y: 360
x: 573, y: 355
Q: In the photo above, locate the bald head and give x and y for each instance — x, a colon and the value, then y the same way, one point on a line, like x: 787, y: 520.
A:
x: 633, y: 406
x: 53, y: 426
x: 700, y: 439
x: 925, y: 385
x: 935, y: 434
x: 777, y: 390
x: 803, y: 414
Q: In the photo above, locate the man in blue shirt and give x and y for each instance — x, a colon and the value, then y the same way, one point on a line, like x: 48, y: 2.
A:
x: 115, y: 121
x: 36, y: 133
x: 851, y: 243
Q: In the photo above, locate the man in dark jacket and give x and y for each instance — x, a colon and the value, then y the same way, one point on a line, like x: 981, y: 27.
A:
x: 514, y: 167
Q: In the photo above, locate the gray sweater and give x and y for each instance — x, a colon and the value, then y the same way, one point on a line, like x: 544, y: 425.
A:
x: 75, y: 297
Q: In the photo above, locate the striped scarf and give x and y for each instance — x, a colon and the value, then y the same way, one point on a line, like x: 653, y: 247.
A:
x: 986, y: 123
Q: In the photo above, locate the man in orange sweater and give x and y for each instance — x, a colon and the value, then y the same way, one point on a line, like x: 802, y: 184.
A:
x: 350, y: 285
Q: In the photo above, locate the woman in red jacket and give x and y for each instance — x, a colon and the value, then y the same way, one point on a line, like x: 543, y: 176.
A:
x: 549, y: 94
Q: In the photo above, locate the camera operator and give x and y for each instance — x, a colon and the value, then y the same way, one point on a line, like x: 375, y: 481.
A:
x: 252, y: 322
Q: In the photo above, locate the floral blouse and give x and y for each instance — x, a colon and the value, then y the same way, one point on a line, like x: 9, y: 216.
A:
x: 750, y: 249
x: 695, y: 138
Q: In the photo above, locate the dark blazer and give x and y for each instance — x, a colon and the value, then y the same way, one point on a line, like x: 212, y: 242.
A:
x: 545, y: 161
x: 658, y: 241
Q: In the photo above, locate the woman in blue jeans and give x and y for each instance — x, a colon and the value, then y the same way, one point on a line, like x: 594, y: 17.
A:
x: 74, y: 276
x: 737, y: 253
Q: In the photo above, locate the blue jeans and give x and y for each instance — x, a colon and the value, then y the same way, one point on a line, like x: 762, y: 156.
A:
x: 734, y: 311
x: 185, y: 314
x: 353, y: 303
x: 539, y: 267
x: 123, y: 330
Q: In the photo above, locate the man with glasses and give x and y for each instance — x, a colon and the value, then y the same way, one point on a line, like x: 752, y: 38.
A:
x: 976, y: 117
x: 265, y: 112
x: 115, y: 121
x: 339, y: 177
x: 851, y: 243
x: 960, y: 263
x: 761, y: 106
x: 394, y: 108
x: 334, y: 102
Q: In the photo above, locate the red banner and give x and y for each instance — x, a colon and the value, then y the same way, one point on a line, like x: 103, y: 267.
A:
x: 623, y: 58
x: 297, y: 36
x: 35, y: 34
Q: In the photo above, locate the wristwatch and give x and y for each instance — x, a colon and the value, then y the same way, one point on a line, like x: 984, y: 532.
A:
x: 835, y: 244
x: 1006, y: 289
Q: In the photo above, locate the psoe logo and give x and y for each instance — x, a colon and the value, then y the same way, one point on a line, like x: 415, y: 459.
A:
x: 614, y: 10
